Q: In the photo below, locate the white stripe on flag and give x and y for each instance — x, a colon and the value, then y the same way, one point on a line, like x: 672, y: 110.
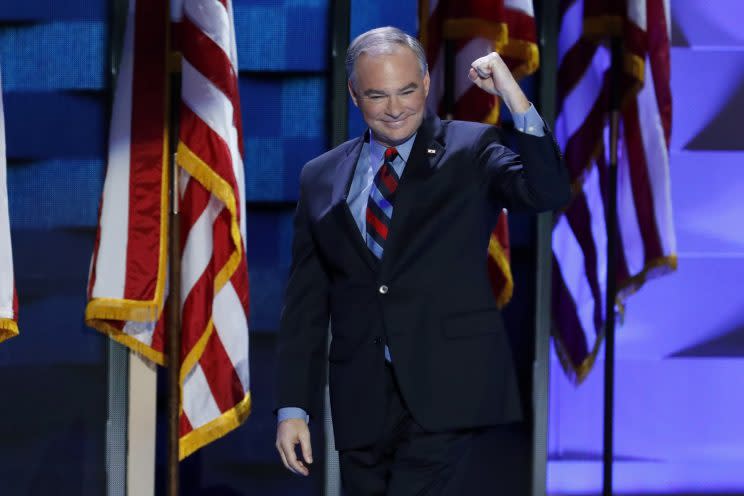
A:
x: 571, y: 263
x: 627, y: 216
x: 111, y: 263
x: 524, y: 6
x: 231, y: 325
x: 595, y: 205
x: 208, y: 102
x: 198, y: 403
x: 212, y: 19
x: 473, y: 49
x: 657, y: 158
x: 197, y: 252
x: 637, y: 13
x: 6, y: 257
x: 580, y: 100
x: 571, y: 29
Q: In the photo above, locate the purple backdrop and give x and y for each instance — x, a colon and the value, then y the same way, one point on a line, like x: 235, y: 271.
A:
x: 679, y: 417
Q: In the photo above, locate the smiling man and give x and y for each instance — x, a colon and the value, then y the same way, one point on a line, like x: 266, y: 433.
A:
x: 390, y: 243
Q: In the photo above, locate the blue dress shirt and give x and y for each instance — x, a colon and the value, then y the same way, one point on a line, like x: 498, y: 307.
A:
x: 370, y: 161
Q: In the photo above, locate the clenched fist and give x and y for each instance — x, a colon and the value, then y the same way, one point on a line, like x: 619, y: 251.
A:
x: 491, y: 74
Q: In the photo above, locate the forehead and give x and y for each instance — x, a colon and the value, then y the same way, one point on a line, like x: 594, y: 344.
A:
x: 391, y: 68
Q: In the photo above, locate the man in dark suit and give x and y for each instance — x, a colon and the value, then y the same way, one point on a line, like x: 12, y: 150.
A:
x: 390, y: 243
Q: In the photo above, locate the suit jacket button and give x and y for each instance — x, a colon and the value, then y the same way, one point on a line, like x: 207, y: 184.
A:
x: 383, y: 289
x: 377, y: 340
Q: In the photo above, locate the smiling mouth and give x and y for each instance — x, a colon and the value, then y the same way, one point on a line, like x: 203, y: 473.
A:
x: 396, y: 124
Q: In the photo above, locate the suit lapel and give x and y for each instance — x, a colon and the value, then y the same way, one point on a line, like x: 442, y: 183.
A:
x: 341, y: 185
x: 423, y: 161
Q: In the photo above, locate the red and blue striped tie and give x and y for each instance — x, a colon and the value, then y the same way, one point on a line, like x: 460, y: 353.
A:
x: 380, y: 204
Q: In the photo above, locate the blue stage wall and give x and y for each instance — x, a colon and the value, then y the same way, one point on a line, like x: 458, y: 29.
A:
x: 54, y: 60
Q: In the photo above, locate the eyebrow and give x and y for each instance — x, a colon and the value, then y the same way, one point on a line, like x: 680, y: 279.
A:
x: 372, y: 92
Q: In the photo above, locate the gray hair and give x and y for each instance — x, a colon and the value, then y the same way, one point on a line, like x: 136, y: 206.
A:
x: 382, y: 41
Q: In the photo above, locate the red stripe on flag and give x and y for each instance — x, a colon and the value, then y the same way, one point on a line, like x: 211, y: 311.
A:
x: 240, y: 282
x: 579, y: 218
x: 209, y: 147
x: 569, y: 329
x: 184, y: 425
x: 223, y: 381
x: 213, y: 63
x: 474, y: 105
x: 521, y: 25
x: 583, y: 145
x: 640, y: 181
x: 146, y: 151
x: 658, y: 53
x: 574, y: 65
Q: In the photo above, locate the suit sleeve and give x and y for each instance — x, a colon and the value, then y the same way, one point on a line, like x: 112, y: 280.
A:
x: 533, y: 180
x: 301, y: 347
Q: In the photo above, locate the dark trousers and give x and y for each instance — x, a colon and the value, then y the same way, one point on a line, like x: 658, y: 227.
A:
x: 408, y: 461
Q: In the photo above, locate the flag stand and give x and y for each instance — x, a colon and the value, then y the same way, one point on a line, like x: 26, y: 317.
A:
x: 612, y: 226
x: 173, y: 320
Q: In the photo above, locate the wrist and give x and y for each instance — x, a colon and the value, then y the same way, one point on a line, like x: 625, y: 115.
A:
x: 515, y: 100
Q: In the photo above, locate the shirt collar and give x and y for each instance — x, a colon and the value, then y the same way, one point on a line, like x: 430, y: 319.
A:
x: 377, y: 150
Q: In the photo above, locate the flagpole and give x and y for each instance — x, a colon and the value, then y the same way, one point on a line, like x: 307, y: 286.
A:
x: 612, y: 226
x: 173, y: 320
x: 338, y: 129
x: 117, y: 356
x: 549, y: 15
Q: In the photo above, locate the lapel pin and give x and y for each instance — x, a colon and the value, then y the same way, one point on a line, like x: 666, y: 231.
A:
x: 431, y: 151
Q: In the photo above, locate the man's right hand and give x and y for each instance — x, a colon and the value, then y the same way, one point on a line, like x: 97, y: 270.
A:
x: 289, y: 433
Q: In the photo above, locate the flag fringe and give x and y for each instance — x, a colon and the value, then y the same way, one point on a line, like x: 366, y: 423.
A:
x: 527, y: 52
x: 127, y: 340
x: 217, y: 428
x: 496, y: 252
x: 497, y: 32
x: 8, y: 329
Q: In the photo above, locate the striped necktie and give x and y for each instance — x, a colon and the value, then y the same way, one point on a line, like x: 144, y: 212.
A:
x: 380, y: 204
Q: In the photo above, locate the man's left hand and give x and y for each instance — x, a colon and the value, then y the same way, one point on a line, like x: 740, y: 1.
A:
x: 491, y: 74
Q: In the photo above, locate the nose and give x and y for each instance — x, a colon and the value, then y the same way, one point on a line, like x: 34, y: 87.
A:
x: 394, y: 107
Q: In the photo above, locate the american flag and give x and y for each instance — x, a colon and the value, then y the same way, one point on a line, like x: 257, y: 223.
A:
x: 214, y: 272
x: 128, y: 281
x: 646, y: 239
x: 8, y: 297
x: 476, y: 28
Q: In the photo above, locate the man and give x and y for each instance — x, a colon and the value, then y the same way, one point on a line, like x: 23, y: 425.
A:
x: 390, y: 243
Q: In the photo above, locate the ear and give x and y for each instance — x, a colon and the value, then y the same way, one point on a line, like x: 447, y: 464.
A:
x: 352, y: 93
x: 427, y: 80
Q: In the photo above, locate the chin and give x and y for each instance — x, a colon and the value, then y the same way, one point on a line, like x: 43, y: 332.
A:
x: 395, y: 137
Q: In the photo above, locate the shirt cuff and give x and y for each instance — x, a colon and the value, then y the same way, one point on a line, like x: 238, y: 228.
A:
x: 529, y: 122
x: 292, y: 412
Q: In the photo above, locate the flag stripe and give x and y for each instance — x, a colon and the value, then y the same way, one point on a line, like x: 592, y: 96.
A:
x: 8, y: 295
x: 224, y: 383
x: 147, y: 153
x: 640, y: 182
x: 229, y: 313
x: 573, y: 340
x: 199, y: 405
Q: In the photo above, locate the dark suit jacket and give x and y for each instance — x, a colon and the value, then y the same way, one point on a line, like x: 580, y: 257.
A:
x: 429, y: 298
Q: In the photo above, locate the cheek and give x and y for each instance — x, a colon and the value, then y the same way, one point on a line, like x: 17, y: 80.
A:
x: 418, y: 103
